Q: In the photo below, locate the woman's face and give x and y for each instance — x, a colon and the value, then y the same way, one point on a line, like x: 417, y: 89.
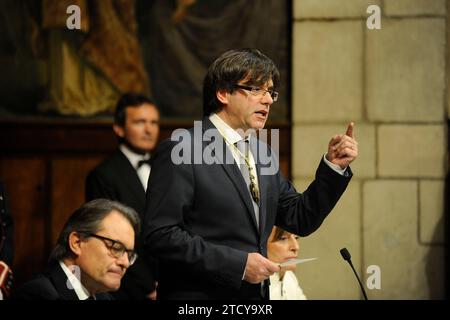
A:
x: 282, y: 249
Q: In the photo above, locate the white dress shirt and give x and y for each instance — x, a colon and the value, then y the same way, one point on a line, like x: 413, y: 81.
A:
x: 231, y: 136
x: 286, y: 289
x: 74, y: 282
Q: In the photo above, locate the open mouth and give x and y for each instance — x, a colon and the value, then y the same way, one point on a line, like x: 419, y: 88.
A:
x: 262, y: 112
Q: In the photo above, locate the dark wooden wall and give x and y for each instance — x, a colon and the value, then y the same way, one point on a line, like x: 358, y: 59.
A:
x: 44, y: 165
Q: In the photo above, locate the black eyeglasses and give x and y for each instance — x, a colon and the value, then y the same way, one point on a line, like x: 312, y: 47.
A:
x: 116, y: 248
x: 259, y: 91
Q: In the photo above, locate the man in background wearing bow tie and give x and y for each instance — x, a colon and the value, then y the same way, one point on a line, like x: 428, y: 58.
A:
x: 123, y: 177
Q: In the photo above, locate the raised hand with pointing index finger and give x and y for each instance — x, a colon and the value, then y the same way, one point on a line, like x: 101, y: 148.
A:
x: 343, y: 148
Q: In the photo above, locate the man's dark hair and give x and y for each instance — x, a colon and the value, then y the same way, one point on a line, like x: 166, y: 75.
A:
x: 87, y: 220
x: 230, y: 68
x: 130, y: 100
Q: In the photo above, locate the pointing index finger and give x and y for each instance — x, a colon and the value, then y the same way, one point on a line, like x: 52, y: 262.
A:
x: 350, y: 130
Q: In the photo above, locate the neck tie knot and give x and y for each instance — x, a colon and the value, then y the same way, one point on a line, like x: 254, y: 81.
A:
x: 243, y: 147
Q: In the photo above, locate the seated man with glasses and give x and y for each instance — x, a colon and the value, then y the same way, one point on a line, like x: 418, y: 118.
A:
x: 92, y: 254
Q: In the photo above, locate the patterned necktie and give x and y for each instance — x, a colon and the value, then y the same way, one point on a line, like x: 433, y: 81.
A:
x: 247, y: 174
x: 247, y: 170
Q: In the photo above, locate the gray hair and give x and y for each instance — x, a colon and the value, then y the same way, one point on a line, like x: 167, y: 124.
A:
x: 87, y: 220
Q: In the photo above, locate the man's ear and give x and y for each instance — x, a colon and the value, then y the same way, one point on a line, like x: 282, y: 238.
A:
x: 119, y: 130
x: 222, y: 96
x: 75, y: 243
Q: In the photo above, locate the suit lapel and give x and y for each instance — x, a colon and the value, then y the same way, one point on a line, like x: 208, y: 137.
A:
x: 131, y: 178
x: 232, y: 170
x: 60, y: 281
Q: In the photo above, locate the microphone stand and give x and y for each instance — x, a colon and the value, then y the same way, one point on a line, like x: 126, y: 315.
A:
x: 347, y: 257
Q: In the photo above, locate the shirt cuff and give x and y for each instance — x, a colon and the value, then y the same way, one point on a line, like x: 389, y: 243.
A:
x: 333, y: 166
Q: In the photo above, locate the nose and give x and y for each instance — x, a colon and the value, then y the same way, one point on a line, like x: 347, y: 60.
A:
x: 124, y: 261
x: 148, y: 127
x: 294, y: 244
x: 267, y: 98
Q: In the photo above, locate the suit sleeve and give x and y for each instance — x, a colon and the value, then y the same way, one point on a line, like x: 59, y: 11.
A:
x: 170, y: 196
x: 138, y: 281
x: 97, y: 186
x: 303, y: 213
x: 40, y: 288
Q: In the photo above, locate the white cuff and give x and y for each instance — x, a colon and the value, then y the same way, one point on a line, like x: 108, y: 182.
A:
x: 333, y: 166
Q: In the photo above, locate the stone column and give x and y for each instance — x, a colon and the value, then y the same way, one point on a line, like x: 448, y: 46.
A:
x: 392, y: 83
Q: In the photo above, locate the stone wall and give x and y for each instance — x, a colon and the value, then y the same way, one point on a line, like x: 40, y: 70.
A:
x: 393, y: 84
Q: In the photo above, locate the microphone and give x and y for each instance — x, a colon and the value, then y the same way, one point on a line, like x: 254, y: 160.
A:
x: 347, y: 257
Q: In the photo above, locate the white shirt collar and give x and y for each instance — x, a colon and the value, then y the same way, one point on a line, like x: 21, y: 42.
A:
x: 230, y: 135
x: 132, y: 156
x: 75, y: 282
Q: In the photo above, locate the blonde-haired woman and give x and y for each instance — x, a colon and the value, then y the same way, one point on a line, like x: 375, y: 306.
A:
x: 281, y: 247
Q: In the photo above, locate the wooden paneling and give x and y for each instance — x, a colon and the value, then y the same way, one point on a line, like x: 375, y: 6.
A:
x: 26, y: 185
x: 68, y: 175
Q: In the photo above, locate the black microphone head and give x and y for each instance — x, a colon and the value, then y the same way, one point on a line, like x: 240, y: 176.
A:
x: 345, y: 254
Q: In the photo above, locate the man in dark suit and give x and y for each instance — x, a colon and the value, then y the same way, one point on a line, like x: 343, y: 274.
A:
x: 123, y: 177
x: 214, y: 197
x: 93, y: 252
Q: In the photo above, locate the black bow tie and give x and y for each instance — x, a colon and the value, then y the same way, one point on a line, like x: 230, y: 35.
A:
x: 141, y: 162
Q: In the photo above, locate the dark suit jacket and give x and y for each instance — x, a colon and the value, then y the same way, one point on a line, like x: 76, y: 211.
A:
x: 116, y: 179
x: 200, y: 222
x: 51, y: 285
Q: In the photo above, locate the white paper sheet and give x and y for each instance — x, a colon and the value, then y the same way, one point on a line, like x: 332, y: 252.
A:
x: 296, y: 261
